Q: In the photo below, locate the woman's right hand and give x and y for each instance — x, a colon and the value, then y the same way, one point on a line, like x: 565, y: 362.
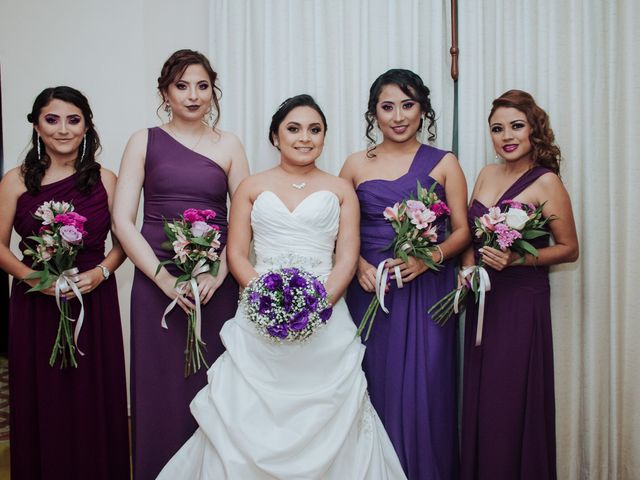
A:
x: 366, y: 275
x: 167, y: 284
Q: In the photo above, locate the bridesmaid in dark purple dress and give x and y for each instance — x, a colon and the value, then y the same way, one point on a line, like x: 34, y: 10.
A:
x: 508, y: 419
x: 183, y: 164
x: 410, y: 362
x: 72, y: 422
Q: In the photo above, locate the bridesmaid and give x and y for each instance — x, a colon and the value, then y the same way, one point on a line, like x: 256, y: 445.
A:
x: 410, y: 361
x: 508, y: 416
x: 71, y: 422
x: 185, y: 163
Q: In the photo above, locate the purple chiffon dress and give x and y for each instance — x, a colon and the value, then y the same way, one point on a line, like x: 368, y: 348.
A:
x: 176, y: 178
x: 67, y: 423
x: 508, y: 413
x: 410, y: 362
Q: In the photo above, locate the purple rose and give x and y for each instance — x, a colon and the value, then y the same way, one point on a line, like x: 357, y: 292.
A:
x: 311, y: 301
x: 278, y: 331
x: 71, y: 234
x: 297, y: 281
x: 265, y: 304
x: 287, y: 298
x: 319, y: 288
x: 254, y: 297
x: 273, y: 281
x: 299, y: 321
x: 326, y: 314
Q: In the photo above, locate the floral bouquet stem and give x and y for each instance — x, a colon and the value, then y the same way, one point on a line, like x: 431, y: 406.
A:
x: 368, y: 317
x: 193, y: 353
x: 64, y: 345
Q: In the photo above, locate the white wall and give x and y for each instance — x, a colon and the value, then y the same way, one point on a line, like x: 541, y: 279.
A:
x: 111, y: 51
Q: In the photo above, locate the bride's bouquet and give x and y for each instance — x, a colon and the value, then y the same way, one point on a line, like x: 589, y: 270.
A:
x: 195, y: 244
x: 57, y: 244
x: 413, y: 220
x: 510, y: 225
x: 288, y: 304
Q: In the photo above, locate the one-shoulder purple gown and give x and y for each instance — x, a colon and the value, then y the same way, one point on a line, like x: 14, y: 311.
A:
x: 69, y: 423
x: 176, y: 178
x: 410, y: 362
x: 508, y: 412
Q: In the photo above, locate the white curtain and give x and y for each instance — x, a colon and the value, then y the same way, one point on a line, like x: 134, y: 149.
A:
x: 580, y: 61
x: 267, y: 51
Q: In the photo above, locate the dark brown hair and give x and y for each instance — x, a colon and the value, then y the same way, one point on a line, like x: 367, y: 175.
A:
x: 413, y: 86
x: 287, y: 106
x: 545, y: 151
x: 174, y: 68
x: 34, y: 167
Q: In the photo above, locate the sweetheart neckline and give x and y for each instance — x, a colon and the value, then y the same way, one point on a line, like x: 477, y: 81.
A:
x: 292, y: 212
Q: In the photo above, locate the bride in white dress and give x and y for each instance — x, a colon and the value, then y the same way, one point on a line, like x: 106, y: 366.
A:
x: 290, y: 411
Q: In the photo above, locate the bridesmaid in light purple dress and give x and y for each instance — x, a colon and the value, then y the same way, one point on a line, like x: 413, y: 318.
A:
x: 185, y: 163
x: 66, y: 423
x: 410, y: 362
x: 508, y: 411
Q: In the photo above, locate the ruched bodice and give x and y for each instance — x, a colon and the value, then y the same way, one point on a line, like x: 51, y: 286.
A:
x: 304, y: 237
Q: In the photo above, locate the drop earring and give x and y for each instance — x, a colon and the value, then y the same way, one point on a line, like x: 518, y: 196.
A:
x: 424, y: 131
x: 38, y: 148
x: 84, y: 147
x: 167, y: 108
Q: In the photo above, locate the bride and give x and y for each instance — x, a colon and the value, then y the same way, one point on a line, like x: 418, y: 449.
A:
x: 290, y: 410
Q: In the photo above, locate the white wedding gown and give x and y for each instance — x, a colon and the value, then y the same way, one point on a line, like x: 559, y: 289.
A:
x: 289, y: 411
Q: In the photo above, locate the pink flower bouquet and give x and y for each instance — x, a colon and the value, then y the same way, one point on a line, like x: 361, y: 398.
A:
x: 196, y: 244
x: 510, y: 225
x: 56, y: 247
x: 413, y: 220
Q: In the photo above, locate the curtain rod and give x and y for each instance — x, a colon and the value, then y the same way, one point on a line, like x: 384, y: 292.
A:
x: 454, y: 51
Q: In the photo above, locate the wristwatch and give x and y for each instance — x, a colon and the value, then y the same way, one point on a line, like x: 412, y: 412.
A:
x: 105, y: 271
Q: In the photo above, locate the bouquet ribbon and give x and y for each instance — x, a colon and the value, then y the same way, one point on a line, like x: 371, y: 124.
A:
x: 182, y: 288
x: 484, y: 285
x: 382, y: 274
x: 64, y: 283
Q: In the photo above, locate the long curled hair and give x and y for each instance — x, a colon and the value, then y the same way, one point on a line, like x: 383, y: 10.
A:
x: 287, y: 106
x: 413, y: 86
x: 545, y: 151
x: 34, y: 167
x: 174, y: 68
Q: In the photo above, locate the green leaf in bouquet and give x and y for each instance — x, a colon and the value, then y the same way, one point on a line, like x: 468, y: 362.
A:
x: 167, y: 245
x: 531, y: 234
x: 527, y: 247
x: 168, y: 232
x: 38, y: 240
x: 185, y: 277
x: 44, y: 277
x: 201, y: 241
x: 162, y: 264
x: 215, y: 268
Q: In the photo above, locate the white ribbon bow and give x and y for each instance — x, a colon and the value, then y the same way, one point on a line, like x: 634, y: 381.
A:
x: 382, y: 274
x: 484, y: 285
x: 182, y: 288
x: 64, y: 283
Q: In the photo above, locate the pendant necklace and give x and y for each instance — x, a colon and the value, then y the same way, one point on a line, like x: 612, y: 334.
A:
x: 175, y: 135
x: 299, y: 186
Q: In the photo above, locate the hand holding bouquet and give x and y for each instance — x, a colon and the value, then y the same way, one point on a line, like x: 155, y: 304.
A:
x: 288, y: 304
x: 195, y: 244
x: 413, y: 220
x: 508, y: 226
x: 57, y: 244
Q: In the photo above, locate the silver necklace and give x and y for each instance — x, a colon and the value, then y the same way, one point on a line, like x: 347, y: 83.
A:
x: 299, y: 186
x: 175, y: 135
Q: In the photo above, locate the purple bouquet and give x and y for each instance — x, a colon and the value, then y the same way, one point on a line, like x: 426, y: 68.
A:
x: 288, y: 304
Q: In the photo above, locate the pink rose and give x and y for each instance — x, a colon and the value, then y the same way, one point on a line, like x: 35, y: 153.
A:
x: 71, y: 234
x: 192, y: 215
x: 200, y: 228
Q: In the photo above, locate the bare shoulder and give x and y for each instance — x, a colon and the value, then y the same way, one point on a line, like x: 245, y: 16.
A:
x: 342, y: 187
x: 13, y: 182
x: 108, y: 177
x: 253, y: 185
x: 355, y: 160
x: 550, y: 180
x: 227, y: 139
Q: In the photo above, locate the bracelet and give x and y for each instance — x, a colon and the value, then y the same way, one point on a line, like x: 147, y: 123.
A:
x: 439, y: 262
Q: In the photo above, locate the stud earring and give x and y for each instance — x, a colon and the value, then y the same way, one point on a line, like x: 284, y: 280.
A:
x: 84, y: 147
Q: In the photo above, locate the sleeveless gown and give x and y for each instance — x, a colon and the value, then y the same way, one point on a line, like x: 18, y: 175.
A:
x: 288, y: 411
x: 410, y: 361
x: 67, y: 423
x: 508, y: 413
x: 176, y: 178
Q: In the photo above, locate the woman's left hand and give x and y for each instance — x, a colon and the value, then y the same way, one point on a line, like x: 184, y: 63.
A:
x: 498, y: 259
x: 87, y: 281
x: 207, y: 285
x: 408, y: 270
